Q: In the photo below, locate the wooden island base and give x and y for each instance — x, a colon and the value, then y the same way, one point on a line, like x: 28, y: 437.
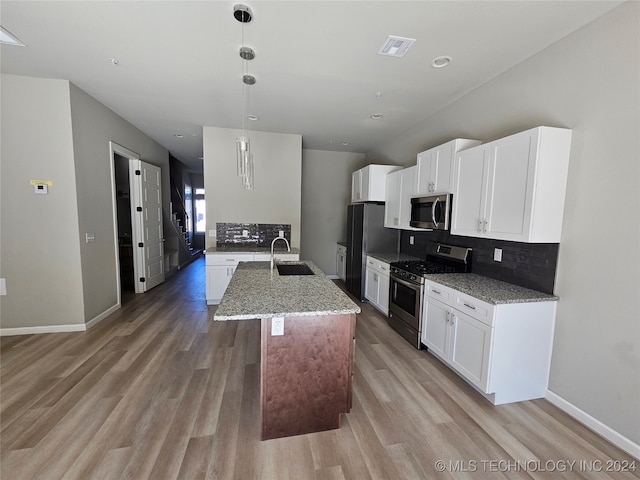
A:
x: 305, y: 374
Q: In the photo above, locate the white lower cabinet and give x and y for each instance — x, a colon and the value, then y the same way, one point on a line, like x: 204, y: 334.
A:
x: 341, y: 262
x: 220, y: 268
x: 376, y: 288
x: 504, y: 350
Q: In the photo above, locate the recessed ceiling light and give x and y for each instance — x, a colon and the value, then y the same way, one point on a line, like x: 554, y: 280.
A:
x: 441, y: 61
x: 8, y: 38
x: 253, y: 118
x: 345, y: 143
x: 178, y: 135
x: 376, y: 116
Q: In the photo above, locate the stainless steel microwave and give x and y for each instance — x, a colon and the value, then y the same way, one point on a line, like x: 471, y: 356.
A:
x: 431, y: 212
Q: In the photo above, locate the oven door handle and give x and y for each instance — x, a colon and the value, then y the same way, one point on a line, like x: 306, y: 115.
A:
x: 414, y: 286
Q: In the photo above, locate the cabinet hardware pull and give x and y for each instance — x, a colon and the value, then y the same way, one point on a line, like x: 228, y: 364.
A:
x: 230, y: 259
x: 469, y: 306
x: 479, y: 226
x: 435, y: 291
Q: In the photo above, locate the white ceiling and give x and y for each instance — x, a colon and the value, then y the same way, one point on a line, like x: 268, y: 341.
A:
x: 316, y: 62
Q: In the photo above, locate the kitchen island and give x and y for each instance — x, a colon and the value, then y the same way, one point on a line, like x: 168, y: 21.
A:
x: 307, y: 345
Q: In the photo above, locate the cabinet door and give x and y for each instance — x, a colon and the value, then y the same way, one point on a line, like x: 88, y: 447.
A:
x: 218, y: 277
x: 468, y: 198
x: 424, y: 178
x: 371, y: 285
x: 356, y: 186
x: 510, y: 180
x: 392, y: 200
x: 470, y: 348
x: 383, y: 294
x: 441, y: 168
x: 408, y: 190
x: 435, y: 327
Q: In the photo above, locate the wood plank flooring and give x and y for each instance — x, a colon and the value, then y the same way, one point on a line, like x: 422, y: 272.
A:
x: 160, y: 391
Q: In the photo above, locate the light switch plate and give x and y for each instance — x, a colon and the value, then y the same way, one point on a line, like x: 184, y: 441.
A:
x: 497, y: 254
x: 277, y: 326
x: 3, y: 286
x: 212, y: 233
x: 410, y: 239
x: 90, y: 237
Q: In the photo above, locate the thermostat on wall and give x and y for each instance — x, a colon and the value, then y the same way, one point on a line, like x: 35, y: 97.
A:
x: 41, y: 187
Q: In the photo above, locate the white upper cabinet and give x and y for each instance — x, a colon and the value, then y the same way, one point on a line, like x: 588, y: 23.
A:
x: 369, y: 183
x: 513, y: 188
x: 401, y: 187
x: 435, y: 166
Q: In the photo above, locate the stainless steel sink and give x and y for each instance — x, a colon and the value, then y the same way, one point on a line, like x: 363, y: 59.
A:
x: 293, y: 269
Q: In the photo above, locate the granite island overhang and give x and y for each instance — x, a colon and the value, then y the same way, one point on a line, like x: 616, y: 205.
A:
x: 307, y: 345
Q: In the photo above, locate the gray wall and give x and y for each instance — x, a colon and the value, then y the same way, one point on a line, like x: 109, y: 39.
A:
x: 589, y: 82
x: 326, y: 192
x: 40, y: 247
x: 275, y: 197
x: 94, y: 125
x: 52, y: 130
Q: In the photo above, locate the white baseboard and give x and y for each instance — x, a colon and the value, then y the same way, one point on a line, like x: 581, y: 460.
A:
x: 594, y: 424
x: 5, y: 332
x: 102, y: 316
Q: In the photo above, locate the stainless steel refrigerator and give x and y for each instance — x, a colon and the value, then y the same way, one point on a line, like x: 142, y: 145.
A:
x: 366, y: 233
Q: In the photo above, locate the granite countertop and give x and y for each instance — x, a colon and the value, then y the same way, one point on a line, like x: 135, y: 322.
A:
x: 279, y: 247
x: 490, y: 290
x: 391, y: 257
x: 255, y: 291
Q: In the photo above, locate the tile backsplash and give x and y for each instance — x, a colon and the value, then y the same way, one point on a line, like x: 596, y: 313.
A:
x: 258, y: 234
x: 530, y: 265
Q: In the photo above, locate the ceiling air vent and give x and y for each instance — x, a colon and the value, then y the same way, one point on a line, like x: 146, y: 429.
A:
x: 396, y: 46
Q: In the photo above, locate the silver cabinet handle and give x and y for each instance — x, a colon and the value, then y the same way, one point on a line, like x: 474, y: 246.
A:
x: 436, y: 291
x: 469, y: 306
x: 231, y: 259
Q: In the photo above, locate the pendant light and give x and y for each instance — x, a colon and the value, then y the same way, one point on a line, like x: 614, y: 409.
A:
x: 243, y: 14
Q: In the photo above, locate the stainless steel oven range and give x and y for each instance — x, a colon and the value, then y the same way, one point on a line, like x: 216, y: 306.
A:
x: 406, y: 286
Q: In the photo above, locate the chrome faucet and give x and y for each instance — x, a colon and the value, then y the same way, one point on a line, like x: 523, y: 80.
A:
x: 274, y: 241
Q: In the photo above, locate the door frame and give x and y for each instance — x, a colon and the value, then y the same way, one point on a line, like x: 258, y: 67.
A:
x: 131, y: 155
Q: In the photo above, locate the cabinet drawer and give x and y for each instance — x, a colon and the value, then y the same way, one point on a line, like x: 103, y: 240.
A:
x: 228, y: 258
x: 379, y: 266
x: 475, y: 308
x: 439, y: 292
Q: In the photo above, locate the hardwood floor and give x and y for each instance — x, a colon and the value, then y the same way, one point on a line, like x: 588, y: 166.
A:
x: 158, y: 390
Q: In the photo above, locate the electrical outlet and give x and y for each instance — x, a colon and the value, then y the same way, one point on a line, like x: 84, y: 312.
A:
x: 281, y: 233
x: 277, y: 326
x: 497, y: 254
x: 245, y: 233
x: 410, y: 239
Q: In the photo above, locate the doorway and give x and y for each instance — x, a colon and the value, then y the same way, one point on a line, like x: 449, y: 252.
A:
x: 125, y: 228
x: 137, y: 222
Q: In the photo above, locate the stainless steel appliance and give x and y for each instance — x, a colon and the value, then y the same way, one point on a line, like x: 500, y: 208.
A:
x: 406, y: 286
x: 365, y: 233
x: 431, y: 212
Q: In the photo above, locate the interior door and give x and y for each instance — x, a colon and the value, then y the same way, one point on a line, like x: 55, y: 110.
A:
x: 146, y: 213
